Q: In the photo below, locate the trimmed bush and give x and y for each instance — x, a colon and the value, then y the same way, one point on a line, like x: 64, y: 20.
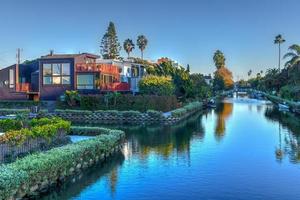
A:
x: 154, y: 114
x: 89, y: 131
x: 190, y: 107
x: 8, y: 111
x: 42, y: 169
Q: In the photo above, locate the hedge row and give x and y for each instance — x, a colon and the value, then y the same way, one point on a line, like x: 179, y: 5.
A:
x: 36, y: 172
x: 20, y: 104
x: 109, y: 113
x: 9, y: 111
x: 124, y: 102
x: 190, y: 107
x: 89, y: 131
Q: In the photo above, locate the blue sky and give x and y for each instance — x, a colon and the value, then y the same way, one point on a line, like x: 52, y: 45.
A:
x: 188, y: 31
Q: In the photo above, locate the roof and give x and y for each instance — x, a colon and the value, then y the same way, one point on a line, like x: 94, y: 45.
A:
x: 60, y: 56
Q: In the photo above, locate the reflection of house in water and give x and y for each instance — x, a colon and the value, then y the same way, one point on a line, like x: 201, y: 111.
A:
x: 162, y: 140
x: 223, y: 111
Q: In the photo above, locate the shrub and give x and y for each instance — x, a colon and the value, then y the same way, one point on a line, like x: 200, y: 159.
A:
x: 6, y: 111
x: 154, y: 114
x: 10, y: 124
x: 131, y: 113
x: 156, y: 85
x: 90, y: 131
x: 36, y: 168
x: 43, y: 128
x: 179, y: 112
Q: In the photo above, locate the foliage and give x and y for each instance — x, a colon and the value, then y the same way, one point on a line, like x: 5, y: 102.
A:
x: 72, y: 97
x: 142, y: 43
x: 126, y: 102
x: 219, y: 59
x: 156, y: 85
x: 10, y: 124
x: 290, y: 92
x: 110, y: 45
x: 128, y: 46
x: 199, y: 88
x: 154, y: 114
x: 36, y: 168
x: 43, y: 128
x: 224, y: 74
x: 190, y: 107
x: 90, y: 131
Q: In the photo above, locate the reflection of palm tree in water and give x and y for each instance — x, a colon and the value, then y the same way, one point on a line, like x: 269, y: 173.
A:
x: 224, y: 110
x: 279, y: 151
x: 113, y: 180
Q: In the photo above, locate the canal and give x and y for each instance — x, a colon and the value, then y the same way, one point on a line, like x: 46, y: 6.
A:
x: 244, y: 149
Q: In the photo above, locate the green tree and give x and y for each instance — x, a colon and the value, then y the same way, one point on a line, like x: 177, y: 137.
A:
x: 156, y: 85
x: 110, y: 46
x: 249, y: 73
x: 188, y: 68
x: 219, y: 59
x: 142, y: 43
x: 279, y: 40
x: 128, y: 46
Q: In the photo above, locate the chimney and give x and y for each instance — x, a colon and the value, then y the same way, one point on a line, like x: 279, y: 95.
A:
x: 51, y: 52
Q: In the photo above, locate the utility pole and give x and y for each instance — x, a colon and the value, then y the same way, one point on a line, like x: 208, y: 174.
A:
x: 17, y: 66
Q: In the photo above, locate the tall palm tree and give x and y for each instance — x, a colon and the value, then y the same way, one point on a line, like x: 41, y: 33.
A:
x: 279, y: 40
x: 128, y: 46
x: 142, y: 43
x: 249, y: 72
x: 293, y: 64
x: 294, y: 55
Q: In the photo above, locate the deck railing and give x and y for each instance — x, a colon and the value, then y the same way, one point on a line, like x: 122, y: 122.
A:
x: 22, y: 87
x: 115, y: 87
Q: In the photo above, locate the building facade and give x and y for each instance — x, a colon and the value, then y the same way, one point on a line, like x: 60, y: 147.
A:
x: 50, y: 76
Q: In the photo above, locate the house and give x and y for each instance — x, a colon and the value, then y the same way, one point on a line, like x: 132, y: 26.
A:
x: 208, y: 79
x: 130, y: 72
x: 50, y: 76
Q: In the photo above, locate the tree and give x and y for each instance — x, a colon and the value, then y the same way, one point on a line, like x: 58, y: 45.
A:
x: 110, y: 46
x: 128, y: 46
x: 142, y: 44
x: 188, y: 68
x: 249, y: 73
x: 219, y: 59
x: 293, y: 55
x: 279, y: 40
x: 156, y: 85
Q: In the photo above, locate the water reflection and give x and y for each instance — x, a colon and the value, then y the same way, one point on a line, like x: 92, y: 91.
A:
x: 288, y: 134
x: 224, y: 110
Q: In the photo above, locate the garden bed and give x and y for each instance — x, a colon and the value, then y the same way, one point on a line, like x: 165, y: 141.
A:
x: 21, y: 137
x: 37, y: 173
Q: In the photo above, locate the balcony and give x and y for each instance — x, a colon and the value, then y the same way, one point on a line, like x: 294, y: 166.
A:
x: 97, y: 67
x: 22, y: 87
x: 115, y: 87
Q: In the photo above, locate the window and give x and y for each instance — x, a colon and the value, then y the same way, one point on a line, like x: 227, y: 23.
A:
x: 56, y: 74
x: 11, y: 78
x: 85, y: 81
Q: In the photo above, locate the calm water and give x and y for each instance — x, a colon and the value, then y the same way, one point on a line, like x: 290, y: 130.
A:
x: 226, y: 153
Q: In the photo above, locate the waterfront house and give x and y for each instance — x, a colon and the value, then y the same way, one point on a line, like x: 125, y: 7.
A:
x: 50, y: 76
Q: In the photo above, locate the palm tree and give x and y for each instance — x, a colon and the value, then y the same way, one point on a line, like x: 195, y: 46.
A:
x: 279, y: 40
x: 294, y: 55
x: 249, y: 72
x: 219, y: 59
x: 293, y: 64
x: 142, y: 43
x: 128, y: 46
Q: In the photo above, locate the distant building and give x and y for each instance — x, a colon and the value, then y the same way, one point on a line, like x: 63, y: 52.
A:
x: 208, y: 79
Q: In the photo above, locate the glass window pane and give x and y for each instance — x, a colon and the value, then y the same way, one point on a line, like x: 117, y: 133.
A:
x: 56, y: 69
x: 47, y: 69
x: 85, y: 81
x: 66, y: 69
x: 56, y: 80
x: 47, y: 80
x: 66, y: 80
